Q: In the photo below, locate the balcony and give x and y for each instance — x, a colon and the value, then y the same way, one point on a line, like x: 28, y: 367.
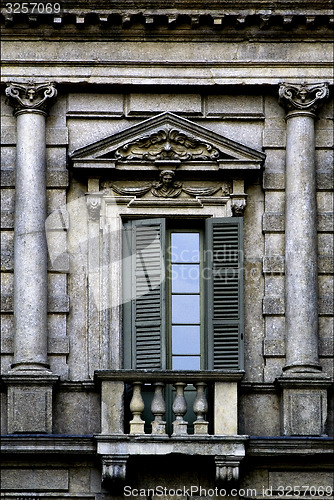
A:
x: 213, y: 433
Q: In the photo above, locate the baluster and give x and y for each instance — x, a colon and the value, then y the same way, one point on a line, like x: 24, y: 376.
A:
x: 158, y: 408
x: 179, y: 408
x: 137, y: 407
x: 200, y: 409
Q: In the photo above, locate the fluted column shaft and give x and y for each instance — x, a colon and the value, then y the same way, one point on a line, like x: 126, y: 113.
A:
x: 301, y: 285
x: 30, y: 248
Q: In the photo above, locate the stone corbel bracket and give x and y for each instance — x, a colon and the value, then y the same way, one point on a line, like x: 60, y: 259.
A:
x: 114, y: 470
x: 238, y: 198
x: 227, y: 470
x: 93, y: 207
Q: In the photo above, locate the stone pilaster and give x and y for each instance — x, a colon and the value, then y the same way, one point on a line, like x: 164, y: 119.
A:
x: 303, y: 406
x: 30, y: 380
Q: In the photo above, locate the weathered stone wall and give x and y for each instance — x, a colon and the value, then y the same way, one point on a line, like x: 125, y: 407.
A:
x: 221, y: 69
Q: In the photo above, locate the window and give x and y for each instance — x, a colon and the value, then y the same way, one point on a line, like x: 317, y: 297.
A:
x: 183, y: 291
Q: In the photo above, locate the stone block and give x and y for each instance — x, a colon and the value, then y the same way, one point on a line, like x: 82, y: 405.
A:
x: 326, y: 347
x: 56, y: 158
x: 7, y: 177
x: 7, y: 250
x: 34, y: 479
x: 325, y: 304
x: 112, y: 404
x: 273, y: 368
x: 273, y: 264
x: 274, y: 201
x: 275, y: 162
x: 30, y: 403
x: 325, y: 222
x: 266, y: 420
x: 58, y: 303
x: 273, y: 181
x: 8, y: 135
x: 304, y: 405
x: 139, y: 104
x: 273, y: 222
x: 226, y: 408
x: 56, y: 179
x: 76, y: 410
x: 316, y: 479
x: 8, y: 158
x: 274, y: 138
x: 56, y: 200
x: 86, y: 104
x: 57, y: 136
x: 241, y: 105
x: 273, y: 306
x: 274, y: 347
x: 324, y: 137
x: 274, y: 244
x: 325, y: 264
x: 325, y: 181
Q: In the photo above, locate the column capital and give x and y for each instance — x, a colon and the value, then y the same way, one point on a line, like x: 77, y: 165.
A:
x: 31, y: 97
x: 302, y: 97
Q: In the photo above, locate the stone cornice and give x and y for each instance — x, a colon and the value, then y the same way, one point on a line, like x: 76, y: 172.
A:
x: 152, y: 15
x: 259, y: 446
x: 52, y: 444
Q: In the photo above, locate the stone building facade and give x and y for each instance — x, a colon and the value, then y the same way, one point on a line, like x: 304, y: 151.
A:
x: 126, y: 124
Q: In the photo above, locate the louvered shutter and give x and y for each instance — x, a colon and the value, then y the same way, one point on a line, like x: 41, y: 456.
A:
x: 224, y: 288
x: 144, y: 294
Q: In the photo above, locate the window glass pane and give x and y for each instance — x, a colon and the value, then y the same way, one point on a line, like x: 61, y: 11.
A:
x: 186, y: 339
x: 184, y: 247
x: 186, y: 362
x: 185, y: 309
x: 185, y: 278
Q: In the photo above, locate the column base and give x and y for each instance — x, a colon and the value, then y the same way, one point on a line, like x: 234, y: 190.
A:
x: 303, y: 404
x: 29, y: 401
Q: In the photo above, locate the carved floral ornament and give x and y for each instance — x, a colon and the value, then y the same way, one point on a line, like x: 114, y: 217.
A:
x: 31, y: 97
x: 167, y: 144
x: 167, y: 187
x: 302, y: 97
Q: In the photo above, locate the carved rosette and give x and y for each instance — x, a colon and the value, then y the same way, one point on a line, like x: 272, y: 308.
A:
x: 304, y: 97
x: 31, y: 97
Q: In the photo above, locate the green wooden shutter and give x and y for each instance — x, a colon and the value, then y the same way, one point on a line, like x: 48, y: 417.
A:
x: 144, y: 294
x: 224, y: 288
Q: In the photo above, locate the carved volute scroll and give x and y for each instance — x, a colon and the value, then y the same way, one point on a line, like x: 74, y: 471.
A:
x: 167, y: 187
x: 305, y: 97
x: 31, y: 97
x: 167, y: 144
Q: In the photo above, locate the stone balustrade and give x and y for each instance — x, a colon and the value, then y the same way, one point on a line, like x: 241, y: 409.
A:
x: 126, y: 410
x: 222, y: 404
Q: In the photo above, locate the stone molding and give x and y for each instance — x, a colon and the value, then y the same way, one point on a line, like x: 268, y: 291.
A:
x: 31, y: 97
x: 303, y: 97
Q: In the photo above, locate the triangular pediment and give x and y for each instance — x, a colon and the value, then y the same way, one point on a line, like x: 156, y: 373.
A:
x: 167, y: 138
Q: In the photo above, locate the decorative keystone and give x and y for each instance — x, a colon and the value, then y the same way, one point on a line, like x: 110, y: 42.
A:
x: 31, y: 97
x: 303, y: 96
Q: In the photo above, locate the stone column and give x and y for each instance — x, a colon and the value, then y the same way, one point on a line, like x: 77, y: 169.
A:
x: 30, y: 380
x: 303, y: 405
